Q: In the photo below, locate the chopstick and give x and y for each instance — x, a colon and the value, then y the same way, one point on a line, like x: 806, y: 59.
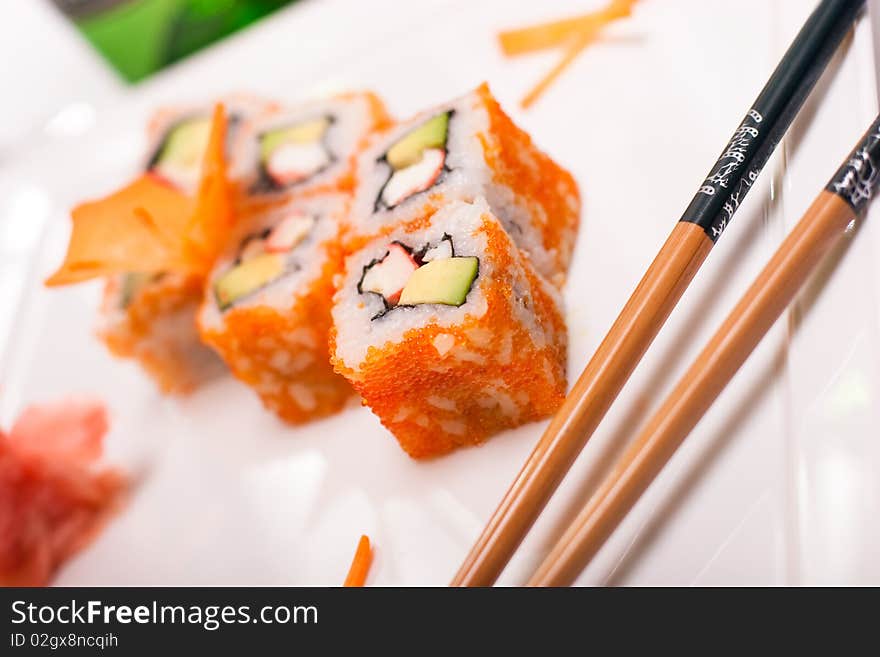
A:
x: 824, y: 222
x: 669, y: 275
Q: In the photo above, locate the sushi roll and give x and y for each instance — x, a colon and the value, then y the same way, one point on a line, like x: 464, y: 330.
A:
x: 178, y: 137
x: 464, y: 150
x: 151, y: 318
x: 267, y: 303
x: 308, y: 149
x: 448, y: 332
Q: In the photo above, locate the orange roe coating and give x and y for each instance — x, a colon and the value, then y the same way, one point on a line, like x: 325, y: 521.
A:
x: 283, y: 355
x: 549, y: 190
x: 444, y: 387
x: 158, y: 329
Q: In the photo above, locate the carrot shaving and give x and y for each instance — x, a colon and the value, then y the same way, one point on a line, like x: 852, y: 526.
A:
x: 575, y: 33
x: 123, y: 232
x: 555, y: 33
x: 149, y: 226
x: 360, y: 565
x: 577, y: 46
x: 213, y: 217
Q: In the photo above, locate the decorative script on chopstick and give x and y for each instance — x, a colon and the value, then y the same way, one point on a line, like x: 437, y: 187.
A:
x: 729, y: 162
x: 725, y: 173
x: 857, y: 179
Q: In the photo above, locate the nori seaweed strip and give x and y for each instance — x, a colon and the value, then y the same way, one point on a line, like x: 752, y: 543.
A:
x: 420, y: 254
x: 250, y: 238
x: 368, y: 267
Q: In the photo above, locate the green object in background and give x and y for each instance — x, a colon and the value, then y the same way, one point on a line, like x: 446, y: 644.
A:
x: 140, y: 37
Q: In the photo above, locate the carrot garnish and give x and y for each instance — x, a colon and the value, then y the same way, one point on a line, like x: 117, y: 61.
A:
x: 556, y: 33
x: 149, y: 226
x: 131, y: 230
x: 580, y: 42
x: 574, y: 33
x: 212, y: 219
x: 360, y: 565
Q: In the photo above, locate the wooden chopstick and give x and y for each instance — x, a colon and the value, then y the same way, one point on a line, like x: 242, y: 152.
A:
x: 672, y: 270
x: 819, y: 229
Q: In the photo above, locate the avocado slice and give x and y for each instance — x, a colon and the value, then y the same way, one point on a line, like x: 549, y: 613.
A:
x: 301, y: 133
x: 185, y: 144
x: 445, y: 281
x: 431, y: 134
x: 247, y: 277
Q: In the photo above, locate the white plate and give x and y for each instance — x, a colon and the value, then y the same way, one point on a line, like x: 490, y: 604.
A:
x: 777, y: 485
